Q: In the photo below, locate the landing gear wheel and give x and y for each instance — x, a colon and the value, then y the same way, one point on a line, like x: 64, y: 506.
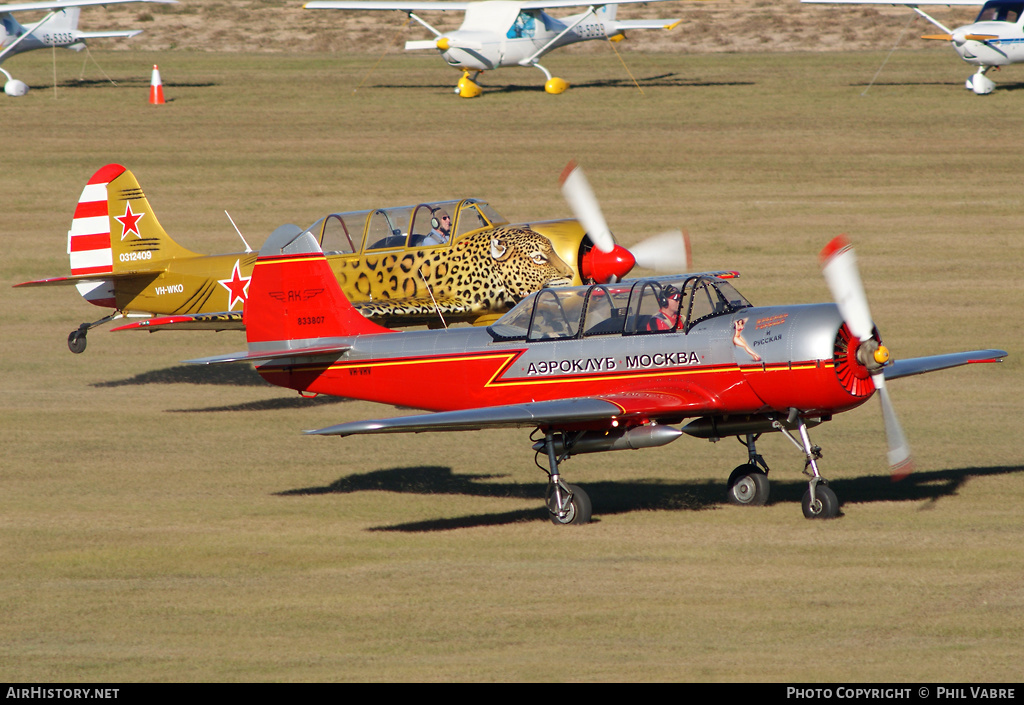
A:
x: 825, y: 505
x: 77, y: 341
x: 576, y: 509
x: 748, y: 486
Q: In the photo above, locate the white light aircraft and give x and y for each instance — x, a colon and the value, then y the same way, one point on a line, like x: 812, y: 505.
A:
x: 995, y: 39
x: 57, y: 28
x: 496, y: 33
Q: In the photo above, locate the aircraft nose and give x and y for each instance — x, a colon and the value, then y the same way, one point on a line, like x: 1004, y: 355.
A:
x: 443, y: 44
x: 606, y: 267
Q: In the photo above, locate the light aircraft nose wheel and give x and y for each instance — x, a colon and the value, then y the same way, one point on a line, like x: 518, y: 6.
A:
x: 749, y: 486
x: 568, y: 504
x: 825, y: 504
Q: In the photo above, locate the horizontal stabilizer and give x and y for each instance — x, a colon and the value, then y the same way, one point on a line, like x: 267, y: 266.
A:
x: 933, y: 363
x: 626, y: 25
x: 275, y: 354
x: 227, y: 320
x: 112, y: 34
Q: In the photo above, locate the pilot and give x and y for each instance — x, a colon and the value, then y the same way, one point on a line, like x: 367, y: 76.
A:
x: 668, y: 310
x: 440, y: 227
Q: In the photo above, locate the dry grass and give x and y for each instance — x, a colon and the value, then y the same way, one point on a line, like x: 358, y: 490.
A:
x: 160, y: 525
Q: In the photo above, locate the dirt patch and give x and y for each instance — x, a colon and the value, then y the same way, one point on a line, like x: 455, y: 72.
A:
x: 707, y: 27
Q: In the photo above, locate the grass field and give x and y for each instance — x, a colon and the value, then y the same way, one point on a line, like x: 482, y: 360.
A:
x: 161, y: 523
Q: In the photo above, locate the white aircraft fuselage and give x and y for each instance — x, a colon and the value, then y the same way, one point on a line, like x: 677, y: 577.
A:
x: 55, y: 32
x: 1007, y: 49
x: 477, y: 50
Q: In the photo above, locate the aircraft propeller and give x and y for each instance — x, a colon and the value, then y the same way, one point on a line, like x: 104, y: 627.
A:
x: 839, y: 266
x: 609, y: 262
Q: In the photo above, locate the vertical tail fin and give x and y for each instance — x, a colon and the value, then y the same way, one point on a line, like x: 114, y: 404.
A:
x: 64, y: 20
x: 114, y: 230
x: 294, y: 295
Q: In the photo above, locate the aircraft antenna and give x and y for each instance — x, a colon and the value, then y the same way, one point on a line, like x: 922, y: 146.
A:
x: 431, y: 294
x: 247, y: 248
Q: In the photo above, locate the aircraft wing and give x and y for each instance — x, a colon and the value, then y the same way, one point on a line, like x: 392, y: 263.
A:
x: 895, y: 2
x: 556, y: 412
x: 224, y: 320
x: 64, y: 4
x: 442, y: 5
x: 932, y: 363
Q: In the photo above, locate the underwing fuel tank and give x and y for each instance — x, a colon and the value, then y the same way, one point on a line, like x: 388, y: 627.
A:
x: 716, y: 427
x: 650, y: 436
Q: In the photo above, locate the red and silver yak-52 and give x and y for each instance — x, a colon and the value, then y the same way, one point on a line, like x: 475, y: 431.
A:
x: 611, y: 366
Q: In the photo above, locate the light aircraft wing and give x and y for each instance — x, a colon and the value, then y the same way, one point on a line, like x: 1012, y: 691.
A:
x: 442, y: 5
x: 558, y: 412
x: 894, y: 2
x: 920, y: 365
x: 63, y: 4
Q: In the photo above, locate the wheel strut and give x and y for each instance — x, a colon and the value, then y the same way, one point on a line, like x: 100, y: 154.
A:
x: 819, y: 502
x: 567, y: 504
x: 77, y: 338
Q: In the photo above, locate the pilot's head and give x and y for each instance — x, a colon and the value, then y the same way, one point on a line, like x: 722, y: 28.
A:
x: 440, y: 220
x: 669, y: 293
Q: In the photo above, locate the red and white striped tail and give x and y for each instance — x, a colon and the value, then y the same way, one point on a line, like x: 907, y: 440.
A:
x: 89, y: 237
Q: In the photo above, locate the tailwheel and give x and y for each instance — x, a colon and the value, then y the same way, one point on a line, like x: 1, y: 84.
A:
x: 823, y: 505
x: 748, y: 486
x: 77, y: 341
x: 568, y: 504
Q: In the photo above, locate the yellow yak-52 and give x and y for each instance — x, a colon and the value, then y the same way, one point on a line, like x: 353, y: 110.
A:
x: 434, y: 263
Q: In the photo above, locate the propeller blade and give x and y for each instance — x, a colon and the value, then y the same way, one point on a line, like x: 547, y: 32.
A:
x: 577, y: 192
x: 839, y: 265
x: 942, y: 37
x: 667, y: 252
x: 901, y: 463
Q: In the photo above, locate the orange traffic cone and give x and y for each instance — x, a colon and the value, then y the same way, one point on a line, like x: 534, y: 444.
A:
x: 156, y: 88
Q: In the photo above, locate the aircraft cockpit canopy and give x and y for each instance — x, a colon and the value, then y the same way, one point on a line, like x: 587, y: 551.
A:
x: 399, y: 227
x: 1001, y: 11
x: 632, y: 307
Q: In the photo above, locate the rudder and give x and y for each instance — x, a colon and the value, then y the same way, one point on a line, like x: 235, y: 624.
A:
x: 295, y: 296
x: 114, y: 229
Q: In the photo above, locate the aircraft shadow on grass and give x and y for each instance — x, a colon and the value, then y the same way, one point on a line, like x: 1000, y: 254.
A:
x: 132, y: 82
x: 670, y: 80
x: 239, y: 375
x: 943, y: 84
x: 613, y: 497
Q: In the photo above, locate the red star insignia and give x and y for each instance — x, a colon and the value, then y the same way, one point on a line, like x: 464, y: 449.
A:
x: 129, y: 221
x: 237, y: 286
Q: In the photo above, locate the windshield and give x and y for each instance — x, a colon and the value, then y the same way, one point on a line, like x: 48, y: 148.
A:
x: 1000, y: 11
x: 423, y: 225
x: 637, y: 307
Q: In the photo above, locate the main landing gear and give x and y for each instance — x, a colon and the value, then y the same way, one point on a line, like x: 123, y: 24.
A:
x: 77, y: 340
x: 567, y: 504
x: 552, y: 84
x: 748, y: 484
